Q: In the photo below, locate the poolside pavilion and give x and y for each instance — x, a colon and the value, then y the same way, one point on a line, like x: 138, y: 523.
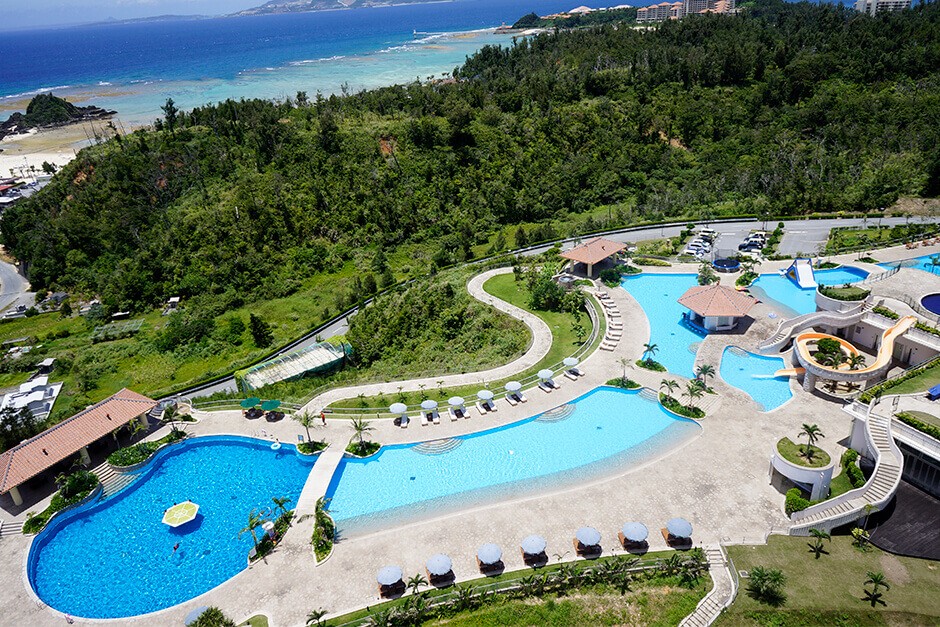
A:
x: 73, y: 435
x: 593, y: 252
x: 715, y: 307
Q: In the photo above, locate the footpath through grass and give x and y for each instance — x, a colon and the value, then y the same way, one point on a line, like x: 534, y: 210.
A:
x: 504, y: 287
x: 829, y: 591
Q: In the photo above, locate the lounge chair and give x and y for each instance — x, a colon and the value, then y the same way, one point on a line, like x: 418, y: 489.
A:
x: 571, y: 376
x: 512, y: 401
x: 452, y: 414
x: 495, y: 568
x: 424, y: 419
x: 521, y: 397
x: 584, y: 550
x: 675, y: 541
x: 404, y: 421
x: 489, y: 406
x: 630, y: 544
x: 544, y: 387
x: 435, y: 417
x: 480, y: 408
x: 461, y: 413
x: 576, y: 372
x: 552, y: 384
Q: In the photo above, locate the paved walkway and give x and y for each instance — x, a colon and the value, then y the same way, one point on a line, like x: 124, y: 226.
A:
x: 718, y: 481
x: 541, y: 344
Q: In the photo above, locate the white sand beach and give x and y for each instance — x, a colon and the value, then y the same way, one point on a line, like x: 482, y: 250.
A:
x: 57, y: 146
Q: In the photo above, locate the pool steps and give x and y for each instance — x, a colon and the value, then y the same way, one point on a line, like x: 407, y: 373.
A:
x: 437, y: 447
x: 562, y: 412
x: 112, y: 481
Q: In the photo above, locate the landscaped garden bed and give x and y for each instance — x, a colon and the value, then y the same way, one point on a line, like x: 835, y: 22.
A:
x: 796, y: 454
x: 74, y: 489
x: 140, y: 452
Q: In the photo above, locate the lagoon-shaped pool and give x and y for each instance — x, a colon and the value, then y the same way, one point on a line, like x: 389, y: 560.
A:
x: 115, y: 558
x: 658, y: 295
x: 754, y: 374
x: 792, y: 300
x: 605, y: 431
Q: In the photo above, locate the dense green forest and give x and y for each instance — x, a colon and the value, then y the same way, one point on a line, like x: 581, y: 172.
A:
x: 786, y: 108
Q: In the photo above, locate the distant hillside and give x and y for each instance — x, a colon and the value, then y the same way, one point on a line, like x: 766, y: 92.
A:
x: 304, y: 6
x: 47, y: 110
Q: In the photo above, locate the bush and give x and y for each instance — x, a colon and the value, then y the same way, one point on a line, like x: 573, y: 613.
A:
x: 870, y: 393
x: 130, y: 455
x: 75, y: 487
x: 930, y: 430
x: 746, y: 279
x: 368, y: 448
x: 649, y: 364
x: 610, y: 277
x: 884, y: 311
x: 627, y: 384
x: 844, y: 293
x: 213, y: 617
x: 673, y: 405
x: 629, y: 270
x: 795, y: 501
x: 648, y: 261
x: 309, y: 448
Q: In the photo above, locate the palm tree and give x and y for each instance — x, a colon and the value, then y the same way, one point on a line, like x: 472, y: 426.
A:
x: 856, y: 361
x: 623, y: 362
x: 314, y: 617
x: 254, y: 521
x: 670, y: 385
x: 416, y: 582
x: 869, y: 508
x: 279, y: 504
x: 766, y: 585
x: 648, y: 351
x: 306, y: 421
x: 877, y: 580
x: 812, y: 433
x: 703, y: 372
x: 693, y: 392
x: 360, y: 427
x: 818, y: 537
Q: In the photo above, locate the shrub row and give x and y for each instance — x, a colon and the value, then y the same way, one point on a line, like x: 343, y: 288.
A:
x: 923, y: 327
x: 869, y: 394
x: 648, y: 261
x: 795, y: 501
x: 130, y: 455
x: 78, y: 486
x: 884, y: 311
x: 844, y: 293
x: 851, y: 469
x: 930, y: 430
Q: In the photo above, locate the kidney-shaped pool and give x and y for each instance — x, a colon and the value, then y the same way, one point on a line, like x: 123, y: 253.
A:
x: 115, y: 558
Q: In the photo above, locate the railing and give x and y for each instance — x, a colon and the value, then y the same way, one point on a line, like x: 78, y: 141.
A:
x: 915, y: 438
x: 916, y: 306
x: 881, y: 276
x: 735, y: 578
x: 874, y: 389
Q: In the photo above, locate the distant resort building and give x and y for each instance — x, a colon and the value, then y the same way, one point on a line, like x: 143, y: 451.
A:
x: 873, y: 7
x: 37, y: 395
x: 677, y: 10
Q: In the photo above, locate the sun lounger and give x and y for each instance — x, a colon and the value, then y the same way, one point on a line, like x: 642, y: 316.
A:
x: 606, y: 347
x: 675, y: 541
x: 424, y: 419
x: 461, y: 413
x: 573, y: 377
x: 435, y: 417
x: 576, y: 372
x: 453, y: 414
x: 480, y: 408
x: 544, y: 387
x: 593, y: 550
x: 404, y: 422
x: 511, y: 400
x: 630, y: 544
x: 489, y: 406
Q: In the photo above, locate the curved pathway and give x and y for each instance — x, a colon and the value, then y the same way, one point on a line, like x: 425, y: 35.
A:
x: 541, y: 344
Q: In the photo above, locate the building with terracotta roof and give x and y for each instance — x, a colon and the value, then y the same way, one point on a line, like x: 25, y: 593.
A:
x: 677, y: 10
x: 716, y: 307
x: 593, y: 252
x: 71, y: 436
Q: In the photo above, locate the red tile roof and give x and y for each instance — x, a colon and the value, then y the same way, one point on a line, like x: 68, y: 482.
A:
x: 594, y: 251
x: 28, y: 459
x: 717, y: 300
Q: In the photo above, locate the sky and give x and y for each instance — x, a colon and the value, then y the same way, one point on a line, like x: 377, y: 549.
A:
x: 40, y: 13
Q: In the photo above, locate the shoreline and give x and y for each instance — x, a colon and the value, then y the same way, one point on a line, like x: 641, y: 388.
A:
x: 57, y: 146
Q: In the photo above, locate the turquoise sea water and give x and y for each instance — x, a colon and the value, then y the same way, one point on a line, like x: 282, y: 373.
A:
x: 134, y: 68
x: 658, y: 294
x: 116, y: 558
x: 603, y: 431
x: 754, y: 374
x: 793, y: 301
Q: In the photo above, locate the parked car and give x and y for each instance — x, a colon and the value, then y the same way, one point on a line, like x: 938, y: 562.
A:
x: 698, y: 253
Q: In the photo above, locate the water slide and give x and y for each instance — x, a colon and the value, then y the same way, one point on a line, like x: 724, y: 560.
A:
x: 883, y: 358
x: 801, y: 273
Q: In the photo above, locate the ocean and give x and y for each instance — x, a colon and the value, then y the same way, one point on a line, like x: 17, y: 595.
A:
x: 133, y: 68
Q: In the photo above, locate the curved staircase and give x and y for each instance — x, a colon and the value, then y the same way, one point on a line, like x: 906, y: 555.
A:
x: 873, y: 496
x: 788, y: 328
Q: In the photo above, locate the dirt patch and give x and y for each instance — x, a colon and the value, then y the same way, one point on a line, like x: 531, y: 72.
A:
x: 894, y: 570
x: 917, y: 206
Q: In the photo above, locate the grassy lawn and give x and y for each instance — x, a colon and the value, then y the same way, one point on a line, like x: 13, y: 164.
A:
x: 504, y: 286
x: 828, y: 591
x: 259, y: 620
x: 840, y: 484
x: 796, y: 454
x: 920, y: 383
x: 925, y: 418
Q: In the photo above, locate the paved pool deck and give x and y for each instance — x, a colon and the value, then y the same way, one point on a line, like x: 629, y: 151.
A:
x: 719, y: 481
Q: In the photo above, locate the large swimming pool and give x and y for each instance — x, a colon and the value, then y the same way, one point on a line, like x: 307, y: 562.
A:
x: 658, y: 294
x: 793, y: 301
x: 604, y: 431
x: 754, y: 374
x: 116, y: 558
x: 927, y: 263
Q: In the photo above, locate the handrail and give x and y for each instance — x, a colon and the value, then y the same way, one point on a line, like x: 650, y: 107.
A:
x: 881, y: 276
x: 918, y: 438
x: 735, y: 578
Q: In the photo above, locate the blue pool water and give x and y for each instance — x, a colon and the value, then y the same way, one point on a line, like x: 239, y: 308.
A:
x: 793, y: 301
x: 925, y: 263
x: 658, y: 294
x: 115, y: 558
x: 754, y: 375
x: 607, y: 429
